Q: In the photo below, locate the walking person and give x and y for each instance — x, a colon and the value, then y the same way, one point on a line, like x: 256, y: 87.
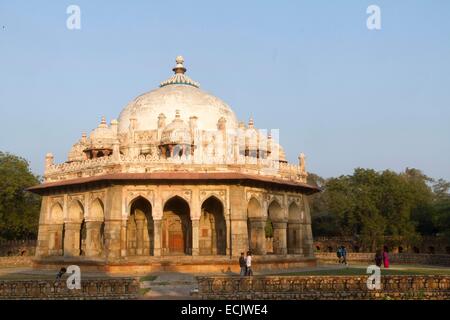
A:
x: 249, y: 264
x: 339, y: 254
x: 344, y: 255
x: 60, y: 273
x: 385, y: 257
x: 243, y: 264
x: 378, y: 258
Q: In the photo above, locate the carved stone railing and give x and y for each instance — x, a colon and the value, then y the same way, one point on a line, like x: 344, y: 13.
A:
x: 155, y: 163
x: 322, y: 287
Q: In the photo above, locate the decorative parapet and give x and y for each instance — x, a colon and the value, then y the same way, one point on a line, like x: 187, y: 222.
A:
x: 156, y: 163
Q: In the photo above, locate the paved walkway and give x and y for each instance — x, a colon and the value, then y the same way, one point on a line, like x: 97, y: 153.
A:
x: 174, y: 286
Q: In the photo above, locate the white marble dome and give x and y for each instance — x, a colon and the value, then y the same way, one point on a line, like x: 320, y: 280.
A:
x: 177, y: 93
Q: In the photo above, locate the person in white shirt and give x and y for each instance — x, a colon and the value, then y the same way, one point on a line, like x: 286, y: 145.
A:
x: 248, y: 261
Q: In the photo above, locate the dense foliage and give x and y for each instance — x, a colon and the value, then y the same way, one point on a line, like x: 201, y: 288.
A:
x: 372, y: 205
x: 19, y: 209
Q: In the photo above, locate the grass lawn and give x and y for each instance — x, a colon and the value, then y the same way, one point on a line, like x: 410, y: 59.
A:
x: 147, y: 278
x: 360, y: 271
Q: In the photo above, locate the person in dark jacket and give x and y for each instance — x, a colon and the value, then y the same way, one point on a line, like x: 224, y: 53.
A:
x: 243, y: 264
x: 378, y: 258
x: 60, y: 273
x: 344, y: 255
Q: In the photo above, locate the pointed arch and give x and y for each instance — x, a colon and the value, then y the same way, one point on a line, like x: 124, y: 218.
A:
x: 56, y: 215
x: 275, y: 211
x: 212, y: 236
x: 75, y: 211
x: 96, y: 210
x: 140, y: 227
x: 255, y: 227
x: 176, y: 227
x: 254, y: 208
x: 294, y: 229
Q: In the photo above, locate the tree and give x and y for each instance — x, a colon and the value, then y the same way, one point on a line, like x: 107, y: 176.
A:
x: 441, y: 207
x: 374, y: 205
x: 19, y: 209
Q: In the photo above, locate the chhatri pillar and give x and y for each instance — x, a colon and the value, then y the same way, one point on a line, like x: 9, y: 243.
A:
x: 279, y: 237
x: 258, y: 235
x: 72, y: 234
x: 195, y: 237
x: 93, y: 238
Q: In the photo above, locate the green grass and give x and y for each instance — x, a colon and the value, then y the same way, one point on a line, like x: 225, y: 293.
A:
x: 148, y: 278
x: 143, y: 291
x: 358, y: 271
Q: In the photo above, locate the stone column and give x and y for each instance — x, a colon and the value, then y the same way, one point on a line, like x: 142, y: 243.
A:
x: 42, y: 241
x: 295, y: 238
x: 279, y: 237
x: 139, y: 236
x: 195, y: 237
x: 72, y: 233
x: 157, y: 237
x: 308, y: 241
x: 123, y: 238
x: 93, y: 238
x: 113, y: 222
x: 112, y: 238
x: 258, y: 235
x: 228, y: 234
x: 55, y: 240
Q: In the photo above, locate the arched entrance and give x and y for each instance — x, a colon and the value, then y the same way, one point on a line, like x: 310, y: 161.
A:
x: 212, y: 237
x: 275, y: 214
x: 140, y: 239
x: 56, y: 231
x: 73, y: 241
x: 176, y: 227
x: 294, y: 243
x: 256, y: 227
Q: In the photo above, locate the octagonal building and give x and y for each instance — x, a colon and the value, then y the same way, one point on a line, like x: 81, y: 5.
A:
x: 176, y: 183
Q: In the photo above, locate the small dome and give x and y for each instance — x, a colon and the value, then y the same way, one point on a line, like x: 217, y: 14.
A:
x: 102, y: 136
x: 176, y: 132
x: 281, y: 154
x: 254, y: 138
x: 76, y: 152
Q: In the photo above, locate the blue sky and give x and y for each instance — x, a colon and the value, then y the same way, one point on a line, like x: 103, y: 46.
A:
x: 344, y: 95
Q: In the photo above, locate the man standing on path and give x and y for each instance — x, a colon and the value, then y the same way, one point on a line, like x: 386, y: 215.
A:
x: 344, y: 255
x: 243, y: 264
x: 249, y: 263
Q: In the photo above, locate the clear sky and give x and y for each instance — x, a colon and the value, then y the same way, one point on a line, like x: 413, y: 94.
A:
x: 344, y: 95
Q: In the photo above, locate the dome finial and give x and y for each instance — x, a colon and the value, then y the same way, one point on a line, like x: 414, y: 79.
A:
x: 179, y: 77
x: 179, y: 68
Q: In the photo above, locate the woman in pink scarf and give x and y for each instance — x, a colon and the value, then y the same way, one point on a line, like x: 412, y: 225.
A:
x: 385, y: 257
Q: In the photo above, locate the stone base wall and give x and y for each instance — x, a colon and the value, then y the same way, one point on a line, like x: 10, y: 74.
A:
x: 323, y: 288
x: 16, y: 261
x: 188, y: 264
x: 127, y: 288
x: 17, y: 248
x: 427, y: 245
x: 394, y: 258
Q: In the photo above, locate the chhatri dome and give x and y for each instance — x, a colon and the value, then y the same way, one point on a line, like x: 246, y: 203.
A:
x: 174, y: 180
x: 177, y: 93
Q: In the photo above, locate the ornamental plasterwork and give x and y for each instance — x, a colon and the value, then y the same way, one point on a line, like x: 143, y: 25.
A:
x: 132, y: 194
x: 296, y: 200
x: 97, y: 195
x: 220, y: 194
x: 278, y: 198
x: 58, y: 199
x: 183, y: 193
x: 78, y: 197
x: 258, y: 195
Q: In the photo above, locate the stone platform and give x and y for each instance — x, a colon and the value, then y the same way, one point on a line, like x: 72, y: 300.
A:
x: 183, y: 264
